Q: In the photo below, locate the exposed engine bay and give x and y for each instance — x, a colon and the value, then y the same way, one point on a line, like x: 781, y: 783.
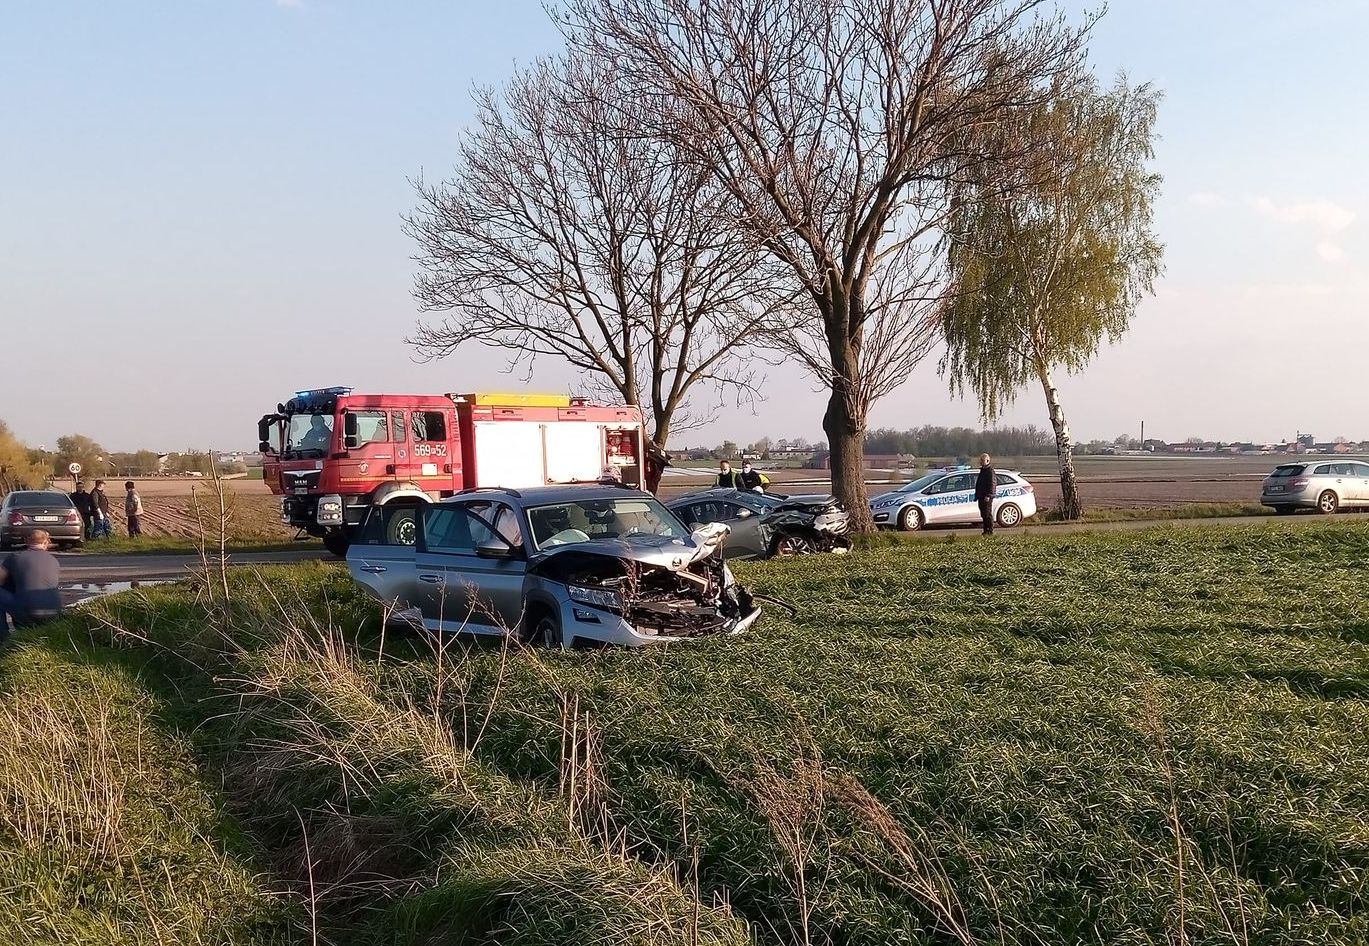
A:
x: 684, y: 596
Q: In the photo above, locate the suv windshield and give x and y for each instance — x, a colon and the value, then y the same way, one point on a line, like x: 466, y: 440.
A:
x: 587, y: 519
x: 309, y: 433
x: 1288, y: 469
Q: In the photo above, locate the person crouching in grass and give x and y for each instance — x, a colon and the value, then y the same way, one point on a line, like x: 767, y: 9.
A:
x: 29, y: 582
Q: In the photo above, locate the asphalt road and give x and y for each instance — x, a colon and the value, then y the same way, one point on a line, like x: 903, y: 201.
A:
x: 86, y: 575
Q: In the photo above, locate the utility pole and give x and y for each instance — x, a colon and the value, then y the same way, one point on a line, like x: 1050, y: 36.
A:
x: 1143, y: 435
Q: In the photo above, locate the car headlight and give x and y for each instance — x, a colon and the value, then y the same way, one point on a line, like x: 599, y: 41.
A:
x: 596, y: 597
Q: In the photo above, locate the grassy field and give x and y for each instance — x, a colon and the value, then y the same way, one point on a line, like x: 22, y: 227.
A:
x: 1152, y: 737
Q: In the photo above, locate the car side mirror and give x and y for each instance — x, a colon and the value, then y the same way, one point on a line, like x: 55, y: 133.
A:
x: 497, y: 550
x: 349, y: 431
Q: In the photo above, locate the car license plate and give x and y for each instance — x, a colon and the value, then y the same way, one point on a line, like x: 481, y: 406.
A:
x: 1276, y: 489
x: 47, y: 518
x: 301, y: 490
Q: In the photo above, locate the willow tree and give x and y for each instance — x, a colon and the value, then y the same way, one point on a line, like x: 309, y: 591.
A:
x: 1052, y: 249
x: 18, y: 469
x: 835, y: 127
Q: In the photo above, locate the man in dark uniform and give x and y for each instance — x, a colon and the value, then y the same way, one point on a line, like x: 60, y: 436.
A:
x: 985, y: 486
x: 656, y: 462
x: 728, y: 478
x: 28, y: 585
x: 101, y: 527
x: 320, y: 435
x: 752, y: 480
x: 81, y: 500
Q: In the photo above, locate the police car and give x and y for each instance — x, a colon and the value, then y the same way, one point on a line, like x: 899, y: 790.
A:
x: 946, y: 497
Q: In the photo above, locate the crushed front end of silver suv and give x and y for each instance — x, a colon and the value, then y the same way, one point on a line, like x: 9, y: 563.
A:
x: 636, y: 589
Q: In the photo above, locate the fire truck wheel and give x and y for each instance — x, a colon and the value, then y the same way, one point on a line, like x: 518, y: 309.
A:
x: 403, y: 527
x: 337, y: 541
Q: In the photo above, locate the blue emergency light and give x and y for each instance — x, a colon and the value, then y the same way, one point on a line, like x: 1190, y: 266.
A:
x: 322, y: 393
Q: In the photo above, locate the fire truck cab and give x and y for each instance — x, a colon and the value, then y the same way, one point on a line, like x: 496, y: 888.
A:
x: 332, y: 454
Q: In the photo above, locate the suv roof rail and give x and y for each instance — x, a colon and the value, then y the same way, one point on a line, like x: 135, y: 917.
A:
x: 603, y: 481
x: 491, y: 489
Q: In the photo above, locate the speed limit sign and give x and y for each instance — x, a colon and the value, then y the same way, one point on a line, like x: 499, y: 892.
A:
x: 74, y: 469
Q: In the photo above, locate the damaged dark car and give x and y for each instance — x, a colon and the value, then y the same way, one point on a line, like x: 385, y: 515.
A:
x: 557, y: 565
x: 761, y: 525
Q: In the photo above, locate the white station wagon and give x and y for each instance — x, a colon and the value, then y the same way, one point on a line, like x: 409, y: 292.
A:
x: 1324, y: 485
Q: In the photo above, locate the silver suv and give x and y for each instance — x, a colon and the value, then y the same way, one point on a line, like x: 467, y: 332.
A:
x: 1324, y: 485
x: 553, y: 565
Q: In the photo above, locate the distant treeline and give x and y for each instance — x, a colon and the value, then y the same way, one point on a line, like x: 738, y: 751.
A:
x: 960, y: 442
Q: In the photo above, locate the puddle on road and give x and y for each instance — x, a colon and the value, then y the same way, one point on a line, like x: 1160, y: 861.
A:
x: 89, y: 591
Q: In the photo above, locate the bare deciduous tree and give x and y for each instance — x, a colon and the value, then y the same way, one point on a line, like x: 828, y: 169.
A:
x: 835, y: 126
x: 565, y: 232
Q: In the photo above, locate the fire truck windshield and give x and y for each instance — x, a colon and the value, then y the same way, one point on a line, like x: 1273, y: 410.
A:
x: 309, y: 434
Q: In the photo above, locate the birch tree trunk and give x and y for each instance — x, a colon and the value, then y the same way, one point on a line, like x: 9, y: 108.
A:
x: 1070, y: 505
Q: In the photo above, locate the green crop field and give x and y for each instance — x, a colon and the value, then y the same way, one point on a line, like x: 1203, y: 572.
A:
x: 1129, y: 738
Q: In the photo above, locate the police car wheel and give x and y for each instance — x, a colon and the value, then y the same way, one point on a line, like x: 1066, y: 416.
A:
x: 910, y: 519
x: 1009, y: 515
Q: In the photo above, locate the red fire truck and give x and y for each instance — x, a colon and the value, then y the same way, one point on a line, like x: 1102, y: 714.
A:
x: 333, y: 454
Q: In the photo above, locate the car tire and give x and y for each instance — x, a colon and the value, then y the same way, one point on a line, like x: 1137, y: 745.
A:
x: 1009, y: 515
x: 544, y: 630
x: 337, y: 541
x: 911, y: 519
x: 787, y: 545
x: 402, y: 529
x: 1328, y: 503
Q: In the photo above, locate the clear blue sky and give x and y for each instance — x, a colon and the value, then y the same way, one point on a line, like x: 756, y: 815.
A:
x: 200, y: 212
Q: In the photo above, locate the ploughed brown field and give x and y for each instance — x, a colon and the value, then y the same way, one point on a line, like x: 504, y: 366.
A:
x: 169, y: 508
x: 1106, y: 482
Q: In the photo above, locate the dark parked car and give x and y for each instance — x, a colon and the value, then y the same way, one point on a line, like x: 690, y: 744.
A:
x: 763, y: 525
x: 26, y: 510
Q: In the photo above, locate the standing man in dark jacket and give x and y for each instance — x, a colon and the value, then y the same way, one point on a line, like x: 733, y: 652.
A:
x: 656, y: 462
x: 752, y: 480
x: 28, y: 585
x: 985, y: 486
x: 81, y: 500
x: 101, y: 527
